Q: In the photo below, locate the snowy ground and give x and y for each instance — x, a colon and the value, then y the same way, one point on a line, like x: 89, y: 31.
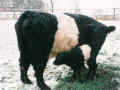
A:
x: 9, y: 69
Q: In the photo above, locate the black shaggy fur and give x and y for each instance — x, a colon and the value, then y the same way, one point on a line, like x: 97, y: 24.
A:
x: 73, y: 58
x: 36, y: 34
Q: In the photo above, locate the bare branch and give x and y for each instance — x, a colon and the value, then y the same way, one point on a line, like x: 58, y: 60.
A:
x: 52, y: 5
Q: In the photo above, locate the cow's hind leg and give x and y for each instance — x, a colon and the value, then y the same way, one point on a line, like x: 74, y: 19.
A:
x: 39, y: 68
x: 39, y: 57
x: 24, y: 66
x: 24, y: 60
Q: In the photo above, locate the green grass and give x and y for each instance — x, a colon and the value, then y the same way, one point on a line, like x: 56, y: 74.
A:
x: 104, y: 80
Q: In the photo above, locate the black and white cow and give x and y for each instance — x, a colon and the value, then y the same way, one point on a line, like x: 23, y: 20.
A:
x: 43, y: 35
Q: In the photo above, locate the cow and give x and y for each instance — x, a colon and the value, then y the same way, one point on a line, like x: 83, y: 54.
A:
x: 42, y: 35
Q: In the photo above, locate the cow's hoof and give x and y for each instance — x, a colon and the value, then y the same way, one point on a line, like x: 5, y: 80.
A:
x: 26, y: 81
x: 45, y: 88
x: 91, y: 78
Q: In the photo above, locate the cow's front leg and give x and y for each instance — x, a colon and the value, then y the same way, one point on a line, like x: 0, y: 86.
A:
x: 77, y: 72
x: 92, y: 68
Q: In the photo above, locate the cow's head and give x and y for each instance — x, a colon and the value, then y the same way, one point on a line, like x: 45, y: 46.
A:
x: 61, y: 59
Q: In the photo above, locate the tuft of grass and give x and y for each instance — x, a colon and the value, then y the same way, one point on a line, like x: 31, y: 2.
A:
x: 104, y: 80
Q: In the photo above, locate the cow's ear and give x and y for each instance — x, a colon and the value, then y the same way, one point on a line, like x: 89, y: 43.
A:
x: 111, y: 29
